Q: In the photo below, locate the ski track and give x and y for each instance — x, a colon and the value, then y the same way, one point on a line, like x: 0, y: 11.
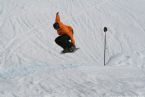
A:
x: 31, y: 63
x: 64, y: 82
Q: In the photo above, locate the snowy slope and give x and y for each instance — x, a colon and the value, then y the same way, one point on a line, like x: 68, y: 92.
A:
x: 31, y: 63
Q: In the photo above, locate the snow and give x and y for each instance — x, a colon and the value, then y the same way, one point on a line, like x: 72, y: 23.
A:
x: 31, y: 64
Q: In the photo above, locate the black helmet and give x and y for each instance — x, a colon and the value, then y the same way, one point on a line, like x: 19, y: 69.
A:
x: 56, y: 26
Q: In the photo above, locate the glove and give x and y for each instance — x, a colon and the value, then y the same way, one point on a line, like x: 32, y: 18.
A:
x: 57, y: 13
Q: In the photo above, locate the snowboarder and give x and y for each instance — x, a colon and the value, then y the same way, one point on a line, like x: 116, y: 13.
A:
x: 65, y: 38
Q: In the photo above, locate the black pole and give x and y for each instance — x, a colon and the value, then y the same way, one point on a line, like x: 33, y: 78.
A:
x: 105, y: 30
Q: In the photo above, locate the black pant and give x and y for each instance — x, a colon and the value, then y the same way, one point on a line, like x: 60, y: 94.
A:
x: 64, y: 41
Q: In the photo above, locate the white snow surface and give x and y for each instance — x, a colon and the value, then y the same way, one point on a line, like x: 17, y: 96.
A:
x: 31, y: 64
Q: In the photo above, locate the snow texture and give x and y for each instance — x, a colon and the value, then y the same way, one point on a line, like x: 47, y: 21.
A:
x: 31, y: 64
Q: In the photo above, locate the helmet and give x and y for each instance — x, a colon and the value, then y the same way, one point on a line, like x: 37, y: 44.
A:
x: 56, y: 26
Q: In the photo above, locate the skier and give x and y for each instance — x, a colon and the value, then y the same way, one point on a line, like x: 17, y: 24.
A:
x: 65, y: 38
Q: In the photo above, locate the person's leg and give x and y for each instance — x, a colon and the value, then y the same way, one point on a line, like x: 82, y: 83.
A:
x: 60, y: 41
x: 67, y: 42
x: 68, y: 45
x: 64, y: 41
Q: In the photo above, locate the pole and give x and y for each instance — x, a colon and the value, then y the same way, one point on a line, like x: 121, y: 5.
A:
x: 105, y: 30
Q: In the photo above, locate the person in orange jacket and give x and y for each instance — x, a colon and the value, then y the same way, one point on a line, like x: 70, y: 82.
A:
x: 65, y: 32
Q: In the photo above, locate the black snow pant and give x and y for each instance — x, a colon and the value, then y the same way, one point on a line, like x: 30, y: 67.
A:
x: 64, y: 41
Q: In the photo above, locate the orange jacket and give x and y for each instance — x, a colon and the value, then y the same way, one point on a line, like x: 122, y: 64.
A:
x: 64, y: 29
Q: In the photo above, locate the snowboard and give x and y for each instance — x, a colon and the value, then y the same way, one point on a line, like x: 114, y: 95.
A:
x: 70, y: 51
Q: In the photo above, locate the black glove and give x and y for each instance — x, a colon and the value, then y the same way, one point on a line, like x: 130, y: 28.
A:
x: 57, y: 13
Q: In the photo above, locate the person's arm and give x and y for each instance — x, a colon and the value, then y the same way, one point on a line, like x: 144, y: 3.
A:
x: 71, y: 38
x: 71, y: 29
x: 57, y: 17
